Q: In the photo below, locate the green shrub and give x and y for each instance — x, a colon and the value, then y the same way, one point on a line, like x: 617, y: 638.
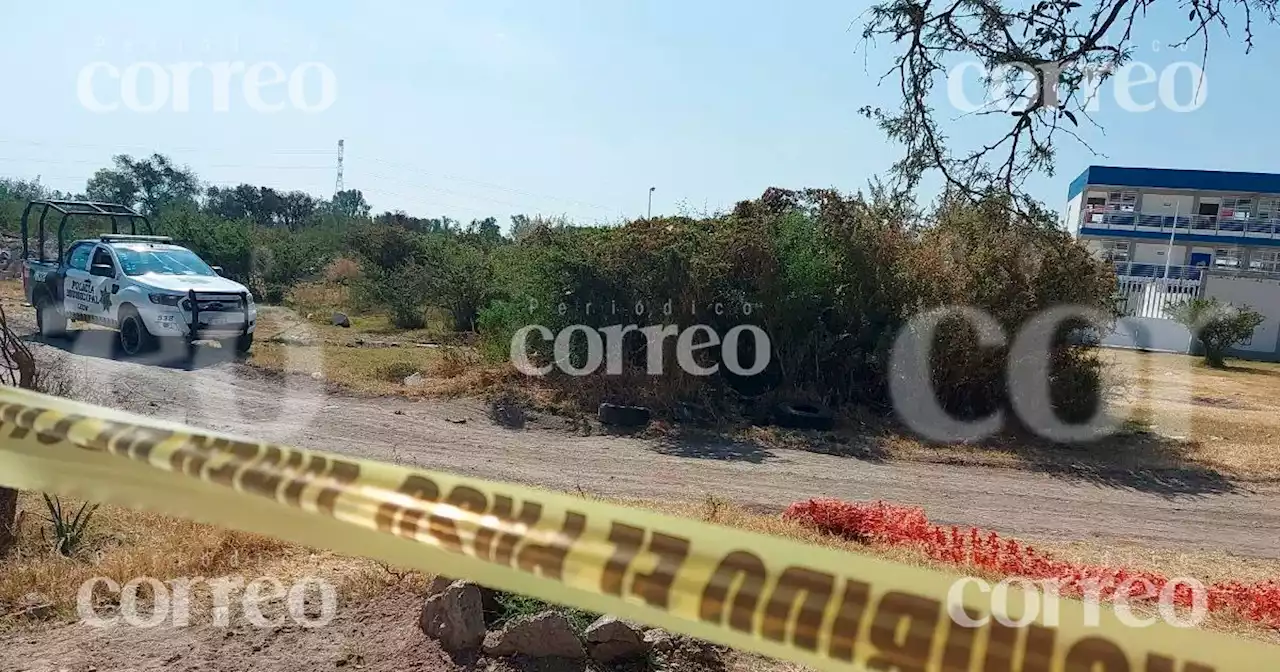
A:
x: 68, y: 529
x: 1217, y: 326
x: 283, y: 258
x: 220, y: 242
x: 402, y: 291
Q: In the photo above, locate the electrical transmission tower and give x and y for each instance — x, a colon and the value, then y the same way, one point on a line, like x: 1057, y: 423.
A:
x: 337, y: 187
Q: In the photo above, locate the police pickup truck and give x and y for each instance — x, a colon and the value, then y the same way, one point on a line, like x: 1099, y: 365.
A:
x: 143, y: 286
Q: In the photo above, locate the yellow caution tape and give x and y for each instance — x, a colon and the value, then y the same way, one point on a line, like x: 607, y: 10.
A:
x: 816, y: 606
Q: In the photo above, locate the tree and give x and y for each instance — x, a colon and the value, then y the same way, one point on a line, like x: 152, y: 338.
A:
x: 1217, y: 326
x: 1052, y: 53
x: 226, y: 202
x: 296, y: 209
x: 484, y: 232
x: 349, y: 204
x: 523, y: 225
x: 149, y: 185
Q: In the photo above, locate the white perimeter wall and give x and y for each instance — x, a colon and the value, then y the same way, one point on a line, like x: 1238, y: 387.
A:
x: 1261, y: 294
x: 1149, y: 333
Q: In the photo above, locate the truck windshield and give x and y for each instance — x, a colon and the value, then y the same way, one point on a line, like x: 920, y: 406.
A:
x: 161, y: 262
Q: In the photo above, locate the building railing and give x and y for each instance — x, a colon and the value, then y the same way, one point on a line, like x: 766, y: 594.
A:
x: 1133, y: 269
x: 1205, y: 225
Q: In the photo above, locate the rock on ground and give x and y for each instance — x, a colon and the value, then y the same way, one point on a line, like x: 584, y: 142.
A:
x: 488, y: 596
x: 610, y: 639
x: 455, y: 617
x: 545, y: 635
x: 659, y: 639
x: 341, y: 320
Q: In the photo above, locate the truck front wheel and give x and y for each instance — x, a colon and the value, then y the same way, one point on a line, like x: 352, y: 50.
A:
x: 50, y: 321
x: 134, y: 337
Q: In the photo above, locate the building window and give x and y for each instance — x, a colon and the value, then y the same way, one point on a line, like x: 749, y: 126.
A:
x: 1236, y: 208
x: 1226, y: 257
x: 1122, y: 201
x: 1264, y: 260
x: 1115, y: 250
x: 1269, y: 208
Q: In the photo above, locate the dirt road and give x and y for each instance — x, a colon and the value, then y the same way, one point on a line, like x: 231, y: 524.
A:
x: 231, y: 397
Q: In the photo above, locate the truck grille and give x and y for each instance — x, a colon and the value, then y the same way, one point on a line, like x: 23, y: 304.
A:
x: 219, y: 303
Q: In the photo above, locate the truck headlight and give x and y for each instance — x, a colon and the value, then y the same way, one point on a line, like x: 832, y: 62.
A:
x: 165, y: 299
x: 248, y: 297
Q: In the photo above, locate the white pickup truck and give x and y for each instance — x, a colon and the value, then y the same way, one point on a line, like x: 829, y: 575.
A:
x: 142, y: 286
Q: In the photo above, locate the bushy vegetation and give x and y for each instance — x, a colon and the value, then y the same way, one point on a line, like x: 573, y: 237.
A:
x: 830, y: 278
x: 1216, y: 326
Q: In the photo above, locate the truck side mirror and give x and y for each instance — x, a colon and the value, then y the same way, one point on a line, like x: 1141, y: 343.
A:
x: 217, y: 269
x: 103, y: 270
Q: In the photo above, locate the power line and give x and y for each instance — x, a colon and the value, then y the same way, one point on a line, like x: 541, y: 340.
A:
x: 447, y: 191
x: 153, y: 149
x: 19, y: 159
x: 339, y: 181
x: 490, y: 185
x: 422, y: 201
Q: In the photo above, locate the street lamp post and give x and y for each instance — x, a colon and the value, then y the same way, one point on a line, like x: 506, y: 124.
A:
x: 649, y: 213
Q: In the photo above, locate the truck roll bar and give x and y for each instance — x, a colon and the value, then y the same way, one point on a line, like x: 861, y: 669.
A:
x: 70, y: 209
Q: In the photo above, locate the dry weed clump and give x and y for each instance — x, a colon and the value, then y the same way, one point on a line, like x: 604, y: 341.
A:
x: 319, y: 298
x: 454, y: 361
x: 342, y: 271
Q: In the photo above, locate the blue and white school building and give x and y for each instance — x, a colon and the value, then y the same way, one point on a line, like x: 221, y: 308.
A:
x: 1177, y: 233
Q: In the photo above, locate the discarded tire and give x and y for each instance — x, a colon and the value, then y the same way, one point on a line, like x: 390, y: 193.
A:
x: 623, y: 416
x: 801, y: 415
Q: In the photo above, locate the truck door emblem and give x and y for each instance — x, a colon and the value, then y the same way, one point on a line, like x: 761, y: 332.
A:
x: 105, y: 298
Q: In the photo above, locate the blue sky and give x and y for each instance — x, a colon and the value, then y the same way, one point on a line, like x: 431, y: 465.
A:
x: 577, y: 108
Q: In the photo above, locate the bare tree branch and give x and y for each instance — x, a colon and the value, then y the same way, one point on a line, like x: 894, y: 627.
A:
x: 1059, y: 46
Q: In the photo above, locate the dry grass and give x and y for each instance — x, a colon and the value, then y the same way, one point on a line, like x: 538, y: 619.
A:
x: 363, y: 370
x: 124, y: 544
x: 1228, y: 416
x: 362, y: 360
x: 1181, y: 416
